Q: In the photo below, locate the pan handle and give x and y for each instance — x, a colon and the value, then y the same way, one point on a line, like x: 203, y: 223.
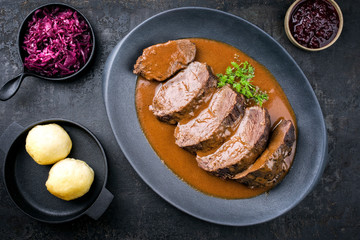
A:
x: 9, y: 135
x: 11, y: 87
x: 100, y: 205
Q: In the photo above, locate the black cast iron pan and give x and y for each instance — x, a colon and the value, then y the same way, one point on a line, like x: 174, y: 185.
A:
x: 25, y: 179
x: 11, y: 87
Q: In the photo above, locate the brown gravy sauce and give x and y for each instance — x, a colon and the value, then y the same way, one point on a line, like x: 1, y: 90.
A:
x: 161, y: 135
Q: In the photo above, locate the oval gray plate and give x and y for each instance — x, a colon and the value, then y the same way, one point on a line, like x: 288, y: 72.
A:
x: 119, y: 92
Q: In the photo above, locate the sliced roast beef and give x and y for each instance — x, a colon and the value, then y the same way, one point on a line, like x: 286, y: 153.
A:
x: 183, y: 93
x: 275, y: 161
x: 161, y: 61
x: 210, y: 128
x: 242, y: 149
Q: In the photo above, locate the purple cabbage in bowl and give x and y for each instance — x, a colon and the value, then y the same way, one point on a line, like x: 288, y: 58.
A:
x: 57, y: 42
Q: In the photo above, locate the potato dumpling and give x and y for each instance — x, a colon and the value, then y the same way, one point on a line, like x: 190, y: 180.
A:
x: 47, y: 144
x: 69, y: 179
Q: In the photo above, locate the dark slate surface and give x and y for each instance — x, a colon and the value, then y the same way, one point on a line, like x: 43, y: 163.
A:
x: 330, y: 211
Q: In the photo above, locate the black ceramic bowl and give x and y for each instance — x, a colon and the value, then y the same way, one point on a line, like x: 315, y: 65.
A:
x: 11, y: 87
x: 25, y: 179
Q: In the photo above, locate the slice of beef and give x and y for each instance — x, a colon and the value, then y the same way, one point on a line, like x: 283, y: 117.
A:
x: 242, y: 149
x: 275, y: 161
x: 210, y: 128
x: 161, y: 61
x: 183, y: 93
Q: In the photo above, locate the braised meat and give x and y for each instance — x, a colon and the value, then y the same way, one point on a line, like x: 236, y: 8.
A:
x: 183, y: 93
x: 210, y: 128
x: 177, y: 55
x: 242, y: 149
x: 275, y: 161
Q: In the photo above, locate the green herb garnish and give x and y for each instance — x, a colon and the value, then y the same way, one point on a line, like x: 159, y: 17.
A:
x: 239, y: 76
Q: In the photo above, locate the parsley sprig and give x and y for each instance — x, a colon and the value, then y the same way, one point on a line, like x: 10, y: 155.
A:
x: 239, y: 76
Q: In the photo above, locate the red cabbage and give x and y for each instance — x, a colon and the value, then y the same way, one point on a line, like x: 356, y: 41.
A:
x: 58, y: 42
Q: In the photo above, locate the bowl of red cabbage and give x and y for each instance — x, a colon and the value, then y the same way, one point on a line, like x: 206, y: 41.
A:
x: 56, y: 42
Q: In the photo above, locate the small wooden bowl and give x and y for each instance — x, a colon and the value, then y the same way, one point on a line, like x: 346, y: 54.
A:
x: 291, y: 37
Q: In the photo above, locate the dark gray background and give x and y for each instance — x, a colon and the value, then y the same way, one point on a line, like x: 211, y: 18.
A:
x: 329, y: 212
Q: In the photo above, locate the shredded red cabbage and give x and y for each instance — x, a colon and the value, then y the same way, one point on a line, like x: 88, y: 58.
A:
x: 58, y: 42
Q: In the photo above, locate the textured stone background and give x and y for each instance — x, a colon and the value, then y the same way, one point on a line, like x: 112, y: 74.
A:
x: 330, y: 211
